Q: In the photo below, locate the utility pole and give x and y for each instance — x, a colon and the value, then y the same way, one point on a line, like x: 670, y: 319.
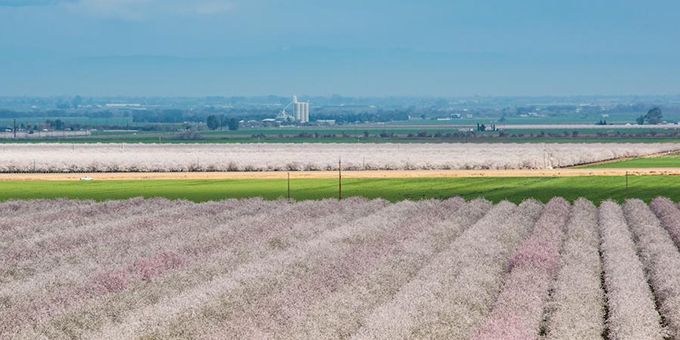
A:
x: 289, y: 186
x: 339, y: 178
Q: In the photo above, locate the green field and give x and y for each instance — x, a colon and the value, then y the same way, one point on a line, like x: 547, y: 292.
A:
x: 391, y: 134
x: 495, y: 189
x: 652, y: 162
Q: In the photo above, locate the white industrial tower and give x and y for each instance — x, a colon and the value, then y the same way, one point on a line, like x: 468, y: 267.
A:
x: 301, y: 110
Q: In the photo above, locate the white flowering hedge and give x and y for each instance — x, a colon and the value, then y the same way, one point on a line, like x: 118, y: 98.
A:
x: 293, y: 157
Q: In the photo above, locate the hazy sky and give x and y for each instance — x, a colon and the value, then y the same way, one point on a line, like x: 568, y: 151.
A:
x: 348, y: 47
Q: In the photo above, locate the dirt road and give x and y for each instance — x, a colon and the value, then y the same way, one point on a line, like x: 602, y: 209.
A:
x: 334, y: 174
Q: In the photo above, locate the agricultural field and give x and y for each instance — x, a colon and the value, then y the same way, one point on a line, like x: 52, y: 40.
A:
x: 355, y: 268
x: 168, y: 133
x: 277, y: 157
x: 496, y: 189
x: 671, y: 161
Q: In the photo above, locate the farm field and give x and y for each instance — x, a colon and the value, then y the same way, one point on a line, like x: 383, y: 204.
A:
x: 356, y: 268
x: 515, y: 189
x: 61, y: 158
x: 392, y: 133
x: 644, y: 162
x: 170, y: 139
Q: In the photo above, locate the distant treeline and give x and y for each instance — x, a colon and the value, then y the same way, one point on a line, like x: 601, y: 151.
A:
x: 340, y: 115
x: 148, y: 117
x: 11, y: 114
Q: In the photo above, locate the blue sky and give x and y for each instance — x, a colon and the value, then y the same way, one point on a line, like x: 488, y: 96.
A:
x: 349, y: 47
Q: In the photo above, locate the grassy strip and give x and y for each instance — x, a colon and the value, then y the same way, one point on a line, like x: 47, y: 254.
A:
x: 652, y: 162
x: 543, y: 189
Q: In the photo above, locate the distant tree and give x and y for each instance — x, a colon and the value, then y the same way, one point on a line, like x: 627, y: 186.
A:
x: 213, y: 122
x: 640, y: 120
x: 233, y: 124
x: 63, y: 105
x: 188, y: 134
x: 654, y: 116
x: 59, y: 125
x: 54, y: 124
x: 76, y: 101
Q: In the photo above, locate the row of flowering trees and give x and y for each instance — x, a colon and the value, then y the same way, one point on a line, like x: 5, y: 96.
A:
x: 357, y: 268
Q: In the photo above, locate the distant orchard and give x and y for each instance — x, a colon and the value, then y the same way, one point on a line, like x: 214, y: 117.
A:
x: 297, y: 157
